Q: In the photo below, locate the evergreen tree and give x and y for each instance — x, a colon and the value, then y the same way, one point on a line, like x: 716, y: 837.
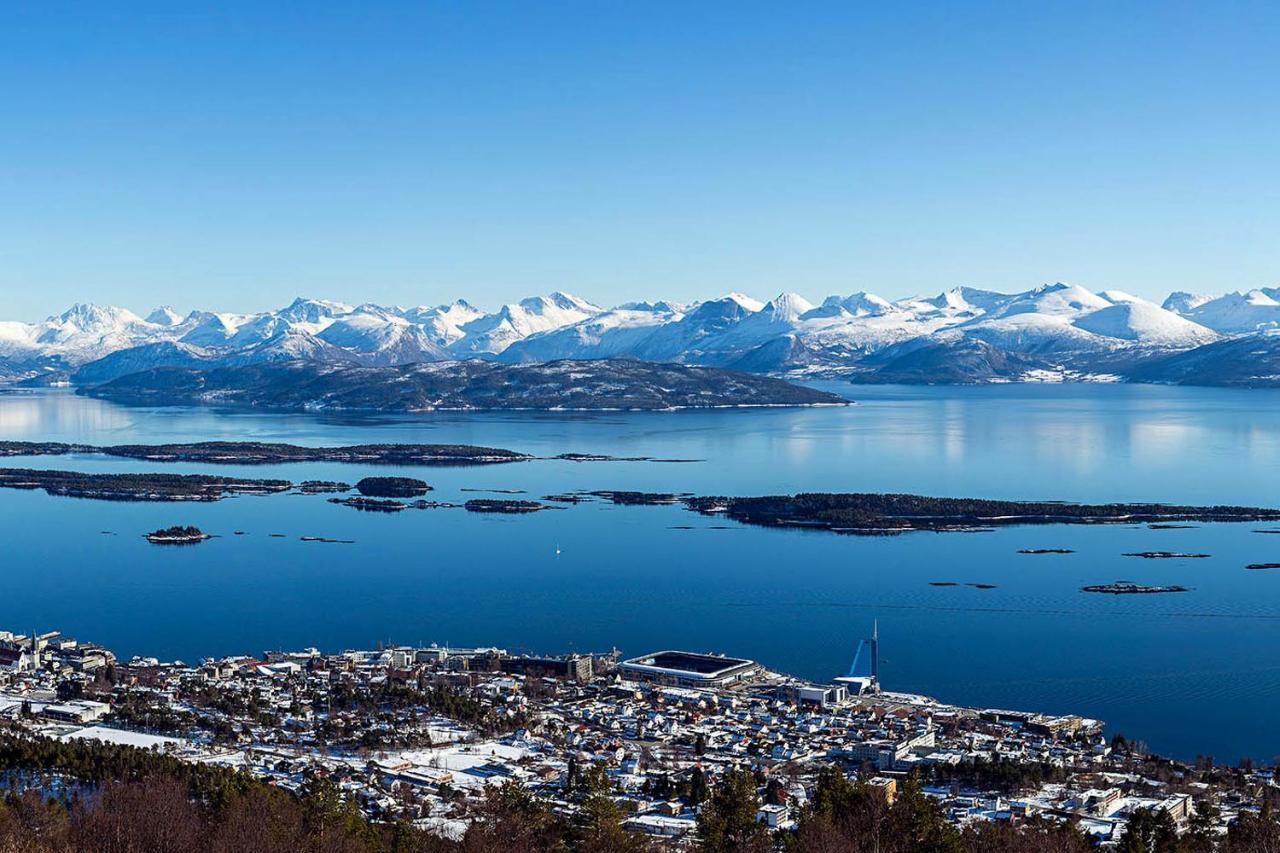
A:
x: 697, y: 786
x: 1149, y: 832
x: 728, y: 820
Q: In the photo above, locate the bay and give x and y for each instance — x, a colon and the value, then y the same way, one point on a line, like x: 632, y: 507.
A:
x: 1189, y: 673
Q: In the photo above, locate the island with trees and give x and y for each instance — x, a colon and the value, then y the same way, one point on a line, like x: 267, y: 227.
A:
x: 137, y: 487
x: 474, y: 384
x: 499, y: 505
x: 267, y: 453
x: 1130, y: 588
x: 870, y: 513
x: 177, y: 535
x: 392, y: 487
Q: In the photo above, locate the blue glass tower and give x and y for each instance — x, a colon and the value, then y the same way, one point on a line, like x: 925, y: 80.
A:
x: 866, y: 661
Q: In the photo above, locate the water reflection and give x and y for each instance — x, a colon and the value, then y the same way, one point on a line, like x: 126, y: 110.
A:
x: 34, y: 415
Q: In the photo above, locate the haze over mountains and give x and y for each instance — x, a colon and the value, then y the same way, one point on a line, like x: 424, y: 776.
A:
x: 961, y: 335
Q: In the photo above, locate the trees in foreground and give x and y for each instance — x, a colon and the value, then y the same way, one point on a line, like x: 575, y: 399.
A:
x: 112, y: 799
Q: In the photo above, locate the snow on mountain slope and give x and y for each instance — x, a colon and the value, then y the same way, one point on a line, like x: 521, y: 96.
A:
x: 613, y: 333
x: 87, y: 331
x: 750, y: 305
x: 1233, y: 314
x: 970, y: 300
x: 685, y: 339
x: 780, y: 316
x: 860, y: 304
x: 16, y: 338
x: 848, y: 337
x: 1181, y: 302
x: 165, y: 315
x: 1051, y: 300
x: 493, y: 333
x: 206, y: 329
x: 89, y: 319
x: 384, y: 338
x: 1059, y: 318
x: 308, y: 316
x: 144, y: 357
x: 784, y: 308
x: 443, y: 323
x: 1133, y: 319
x: 313, y: 312
x: 291, y: 345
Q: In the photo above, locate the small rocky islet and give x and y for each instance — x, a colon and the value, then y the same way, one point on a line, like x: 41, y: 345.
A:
x: 515, y: 507
x: 177, y: 535
x: 367, y: 504
x: 1165, y: 555
x: 1131, y: 588
x: 322, y: 487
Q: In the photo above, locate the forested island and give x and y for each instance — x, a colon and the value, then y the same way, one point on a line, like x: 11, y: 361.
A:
x: 866, y: 513
x: 392, y: 487
x: 177, y: 535
x: 266, y: 453
x: 371, y: 504
x: 598, y: 385
x: 1131, y: 588
x: 137, y: 487
x: 639, y: 498
x: 504, y: 506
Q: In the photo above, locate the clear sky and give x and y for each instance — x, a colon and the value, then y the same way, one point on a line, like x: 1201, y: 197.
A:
x: 232, y: 155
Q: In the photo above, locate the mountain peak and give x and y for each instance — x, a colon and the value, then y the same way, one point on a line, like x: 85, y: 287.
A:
x: 165, y: 315
x: 304, y: 310
x: 91, y: 317
x: 752, y: 305
x: 863, y: 304
x: 558, y: 299
x: 787, y: 307
x: 1181, y: 302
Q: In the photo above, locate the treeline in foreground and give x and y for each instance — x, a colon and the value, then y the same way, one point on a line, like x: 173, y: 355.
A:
x: 130, y: 800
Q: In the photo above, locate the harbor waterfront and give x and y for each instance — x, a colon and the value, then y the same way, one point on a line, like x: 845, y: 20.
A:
x: 419, y: 733
x: 1189, y: 673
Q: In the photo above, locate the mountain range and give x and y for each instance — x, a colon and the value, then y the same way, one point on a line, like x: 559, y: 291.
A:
x: 1055, y: 331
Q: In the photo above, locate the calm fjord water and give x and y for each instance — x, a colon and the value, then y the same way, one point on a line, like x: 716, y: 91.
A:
x: 1190, y: 673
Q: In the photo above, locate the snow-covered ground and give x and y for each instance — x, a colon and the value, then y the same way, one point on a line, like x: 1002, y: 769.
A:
x: 105, y: 734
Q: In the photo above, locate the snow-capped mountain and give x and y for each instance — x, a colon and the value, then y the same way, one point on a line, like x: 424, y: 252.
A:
x: 386, y: 337
x: 1056, y: 326
x: 165, y: 315
x: 444, y: 323
x: 1233, y: 314
x: 493, y: 333
x: 609, y: 334
x: 1063, y: 318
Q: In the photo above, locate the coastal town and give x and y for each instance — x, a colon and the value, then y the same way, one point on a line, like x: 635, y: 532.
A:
x: 419, y: 734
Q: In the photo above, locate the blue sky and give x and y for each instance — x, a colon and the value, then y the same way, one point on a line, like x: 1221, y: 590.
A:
x: 235, y: 154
